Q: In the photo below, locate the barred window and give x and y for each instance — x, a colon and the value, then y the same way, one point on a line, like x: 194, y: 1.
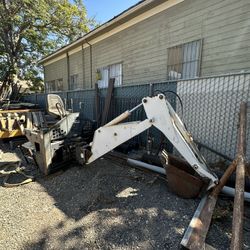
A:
x: 184, y: 60
x: 106, y: 73
x: 54, y: 86
x: 74, y: 83
x: 59, y: 84
x: 49, y: 86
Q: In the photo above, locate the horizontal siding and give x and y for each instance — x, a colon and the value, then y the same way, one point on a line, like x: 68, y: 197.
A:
x: 57, y: 70
x: 76, y: 65
x: 242, y: 37
x: 227, y: 51
x: 213, y: 11
x: 224, y: 26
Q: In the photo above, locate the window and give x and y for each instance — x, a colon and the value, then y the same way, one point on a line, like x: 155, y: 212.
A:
x: 106, y: 73
x: 74, y: 83
x: 59, y: 84
x: 54, y: 86
x: 184, y: 60
x: 49, y: 86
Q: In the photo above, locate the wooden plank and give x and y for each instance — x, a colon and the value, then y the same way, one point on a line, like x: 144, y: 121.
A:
x: 195, y: 235
x: 238, y: 211
x: 18, y: 111
x: 108, y: 101
x: 10, y: 134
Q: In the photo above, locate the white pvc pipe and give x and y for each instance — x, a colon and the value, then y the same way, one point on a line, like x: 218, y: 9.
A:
x: 226, y: 190
x: 146, y: 165
x: 231, y: 192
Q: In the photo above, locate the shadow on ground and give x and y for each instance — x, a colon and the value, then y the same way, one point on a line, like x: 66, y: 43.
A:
x: 106, y: 205
x: 110, y: 206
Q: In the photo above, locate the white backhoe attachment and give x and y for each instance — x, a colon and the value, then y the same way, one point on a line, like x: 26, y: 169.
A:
x: 160, y: 114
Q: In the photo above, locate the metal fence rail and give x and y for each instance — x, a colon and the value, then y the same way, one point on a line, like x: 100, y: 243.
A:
x: 210, y: 109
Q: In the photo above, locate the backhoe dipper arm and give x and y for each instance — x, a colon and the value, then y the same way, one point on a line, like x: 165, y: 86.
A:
x: 161, y: 115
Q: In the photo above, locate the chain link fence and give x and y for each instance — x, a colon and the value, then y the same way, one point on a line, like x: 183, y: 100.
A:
x: 210, y: 110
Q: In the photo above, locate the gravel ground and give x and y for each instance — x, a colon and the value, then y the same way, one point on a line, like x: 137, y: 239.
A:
x: 105, y: 205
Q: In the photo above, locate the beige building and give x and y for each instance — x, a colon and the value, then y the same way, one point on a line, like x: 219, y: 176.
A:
x: 154, y: 41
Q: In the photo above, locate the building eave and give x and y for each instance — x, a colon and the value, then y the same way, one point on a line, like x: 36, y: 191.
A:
x: 113, y: 23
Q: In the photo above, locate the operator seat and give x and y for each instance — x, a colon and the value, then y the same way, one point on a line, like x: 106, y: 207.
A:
x: 55, y: 106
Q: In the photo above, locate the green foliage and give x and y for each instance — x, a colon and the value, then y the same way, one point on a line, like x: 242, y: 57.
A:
x: 30, y: 29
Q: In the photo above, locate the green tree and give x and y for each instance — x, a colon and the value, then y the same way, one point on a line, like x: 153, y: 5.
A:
x: 30, y: 29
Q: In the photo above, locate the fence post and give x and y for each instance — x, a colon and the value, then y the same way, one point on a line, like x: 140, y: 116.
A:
x: 151, y: 89
x: 66, y: 100
x: 238, y: 211
x: 97, y: 104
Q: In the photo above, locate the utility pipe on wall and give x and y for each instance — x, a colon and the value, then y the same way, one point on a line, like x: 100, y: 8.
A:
x: 91, y: 64
x: 83, y: 65
x: 68, y: 70
x: 45, y: 81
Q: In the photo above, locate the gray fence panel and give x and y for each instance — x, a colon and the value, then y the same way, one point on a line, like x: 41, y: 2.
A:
x: 210, y: 108
x: 82, y: 101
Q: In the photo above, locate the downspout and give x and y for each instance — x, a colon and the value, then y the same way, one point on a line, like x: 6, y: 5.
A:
x: 68, y: 68
x: 91, y: 66
x: 45, y: 87
x: 83, y: 68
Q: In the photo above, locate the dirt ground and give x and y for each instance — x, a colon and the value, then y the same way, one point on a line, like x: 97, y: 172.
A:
x: 105, y: 205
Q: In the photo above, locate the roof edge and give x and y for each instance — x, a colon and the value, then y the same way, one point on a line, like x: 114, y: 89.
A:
x: 87, y: 37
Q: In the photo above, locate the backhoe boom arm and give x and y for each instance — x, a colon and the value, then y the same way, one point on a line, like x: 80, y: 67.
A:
x: 160, y: 114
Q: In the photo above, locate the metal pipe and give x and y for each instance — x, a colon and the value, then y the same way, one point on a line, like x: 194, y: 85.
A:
x: 146, y: 165
x: 122, y: 116
x: 213, y: 151
x: 72, y: 105
x: 45, y: 81
x: 80, y: 106
x: 68, y: 71
x: 136, y: 107
x: 65, y: 103
x: 83, y: 66
x: 118, y: 119
x: 91, y: 64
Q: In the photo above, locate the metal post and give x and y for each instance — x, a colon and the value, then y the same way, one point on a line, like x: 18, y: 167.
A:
x: 97, y: 104
x: 67, y: 98
x: 65, y: 103
x: 68, y: 70
x: 151, y: 89
x: 72, y: 104
x: 238, y: 211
